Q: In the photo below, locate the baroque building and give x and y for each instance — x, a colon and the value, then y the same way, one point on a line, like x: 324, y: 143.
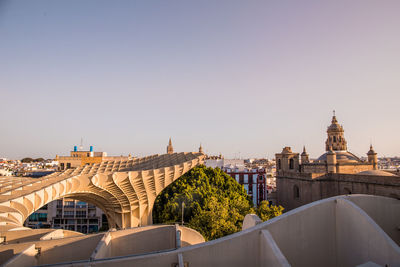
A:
x: 336, y: 159
x: 301, y: 180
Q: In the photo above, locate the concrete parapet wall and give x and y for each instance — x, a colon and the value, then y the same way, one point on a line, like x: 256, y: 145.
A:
x: 354, y: 247
x: 250, y: 220
x: 7, y: 252
x: 190, y: 236
x: 384, y: 211
x: 271, y: 254
x: 103, y: 248
x: 59, y: 233
x: 143, y: 240
x: 25, y: 258
x: 335, y: 231
x: 310, y: 228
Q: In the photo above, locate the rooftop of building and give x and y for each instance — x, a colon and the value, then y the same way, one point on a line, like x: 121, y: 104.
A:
x: 377, y: 173
x: 341, y: 156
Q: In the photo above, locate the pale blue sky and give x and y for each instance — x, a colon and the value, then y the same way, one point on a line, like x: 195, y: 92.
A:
x: 237, y: 76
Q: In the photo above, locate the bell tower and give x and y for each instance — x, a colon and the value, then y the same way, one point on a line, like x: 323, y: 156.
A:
x: 287, y: 160
x: 304, y: 156
x: 335, y: 140
x: 201, y: 149
x: 373, y: 157
x: 170, y: 148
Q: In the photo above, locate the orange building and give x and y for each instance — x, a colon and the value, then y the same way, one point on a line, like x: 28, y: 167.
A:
x: 84, y: 157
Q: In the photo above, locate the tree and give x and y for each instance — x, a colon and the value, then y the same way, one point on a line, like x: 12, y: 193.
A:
x: 215, y: 204
x: 266, y: 211
x: 27, y: 160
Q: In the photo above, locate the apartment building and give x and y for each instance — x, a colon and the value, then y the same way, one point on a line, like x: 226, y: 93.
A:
x: 68, y: 214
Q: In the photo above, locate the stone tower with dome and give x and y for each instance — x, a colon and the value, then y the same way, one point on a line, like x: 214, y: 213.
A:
x: 336, y: 159
x: 335, y: 138
x: 301, y: 180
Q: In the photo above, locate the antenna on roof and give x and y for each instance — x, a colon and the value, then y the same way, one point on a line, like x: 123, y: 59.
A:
x: 81, y: 146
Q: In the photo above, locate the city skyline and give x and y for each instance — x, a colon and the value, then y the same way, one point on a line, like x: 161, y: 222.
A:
x: 236, y: 78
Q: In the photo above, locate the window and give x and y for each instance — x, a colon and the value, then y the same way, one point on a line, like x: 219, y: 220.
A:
x: 68, y: 165
x: 68, y: 214
x: 81, y: 204
x: 291, y: 164
x: 69, y: 204
x: 38, y: 217
x: 93, y: 228
x: 80, y: 213
x: 62, y: 166
x: 334, y: 139
x: 279, y: 164
x: 296, y: 192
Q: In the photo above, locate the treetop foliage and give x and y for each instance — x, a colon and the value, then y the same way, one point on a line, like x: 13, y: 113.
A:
x: 30, y: 160
x: 214, y: 203
x: 266, y: 211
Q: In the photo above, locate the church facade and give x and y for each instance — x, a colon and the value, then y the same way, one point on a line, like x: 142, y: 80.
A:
x: 336, y: 172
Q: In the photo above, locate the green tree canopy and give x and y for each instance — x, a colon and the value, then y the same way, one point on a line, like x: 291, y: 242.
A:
x: 266, y: 211
x: 215, y: 204
x: 27, y: 160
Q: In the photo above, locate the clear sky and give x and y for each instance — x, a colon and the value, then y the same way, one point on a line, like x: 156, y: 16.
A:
x: 242, y: 77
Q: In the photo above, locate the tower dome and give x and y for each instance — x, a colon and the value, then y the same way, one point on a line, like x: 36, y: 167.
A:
x: 371, y: 150
x: 335, y: 138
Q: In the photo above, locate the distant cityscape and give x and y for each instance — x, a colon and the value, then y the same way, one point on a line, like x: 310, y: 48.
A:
x: 124, y: 187
x: 258, y: 176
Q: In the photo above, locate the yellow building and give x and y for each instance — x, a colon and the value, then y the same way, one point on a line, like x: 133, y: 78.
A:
x: 81, y: 158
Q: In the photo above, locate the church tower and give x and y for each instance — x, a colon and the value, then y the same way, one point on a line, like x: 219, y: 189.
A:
x: 304, y: 156
x: 170, y: 149
x: 201, y: 149
x: 373, y: 157
x: 335, y: 138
